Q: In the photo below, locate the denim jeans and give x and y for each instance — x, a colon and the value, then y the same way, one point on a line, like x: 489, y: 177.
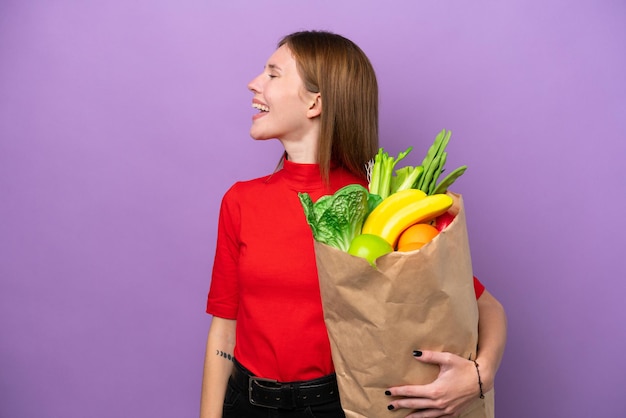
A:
x: 237, y: 405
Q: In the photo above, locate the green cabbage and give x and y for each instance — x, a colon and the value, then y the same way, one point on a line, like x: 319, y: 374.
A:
x: 336, y: 219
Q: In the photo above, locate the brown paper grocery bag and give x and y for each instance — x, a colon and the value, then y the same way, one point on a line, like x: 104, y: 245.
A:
x: 376, y: 317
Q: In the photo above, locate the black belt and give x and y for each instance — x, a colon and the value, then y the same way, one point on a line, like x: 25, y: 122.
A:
x: 285, y: 395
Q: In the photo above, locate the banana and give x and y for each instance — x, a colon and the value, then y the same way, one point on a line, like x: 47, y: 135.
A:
x: 393, y: 203
x: 400, y: 213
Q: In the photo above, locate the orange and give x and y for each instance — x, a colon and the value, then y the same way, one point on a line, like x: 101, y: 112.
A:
x: 418, y: 233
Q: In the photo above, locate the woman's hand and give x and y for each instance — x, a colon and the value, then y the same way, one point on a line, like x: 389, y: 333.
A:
x: 455, y: 388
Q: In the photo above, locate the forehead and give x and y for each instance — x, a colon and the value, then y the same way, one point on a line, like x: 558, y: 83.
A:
x: 281, y: 59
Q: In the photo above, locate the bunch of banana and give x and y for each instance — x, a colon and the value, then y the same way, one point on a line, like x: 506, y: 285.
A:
x: 403, y: 209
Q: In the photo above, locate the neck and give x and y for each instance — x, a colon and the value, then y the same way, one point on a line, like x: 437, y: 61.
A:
x: 301, y: 146
x: 301, y: 152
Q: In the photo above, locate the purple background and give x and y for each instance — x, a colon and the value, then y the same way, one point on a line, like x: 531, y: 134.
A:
x: 123, y: 122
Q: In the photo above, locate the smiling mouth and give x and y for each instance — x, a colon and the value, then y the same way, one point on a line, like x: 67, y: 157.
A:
x: 260, y: 107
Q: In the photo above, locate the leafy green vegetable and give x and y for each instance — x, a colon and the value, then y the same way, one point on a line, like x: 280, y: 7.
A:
x: 425, y: 177
x: 382, y: 181
x: 336, y: 219
x: 405, y: 178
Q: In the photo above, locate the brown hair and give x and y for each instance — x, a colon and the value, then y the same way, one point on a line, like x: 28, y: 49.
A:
x: 338, y: 69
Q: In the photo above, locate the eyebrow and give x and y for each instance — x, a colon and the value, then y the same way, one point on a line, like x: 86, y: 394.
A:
x: 274, y: 67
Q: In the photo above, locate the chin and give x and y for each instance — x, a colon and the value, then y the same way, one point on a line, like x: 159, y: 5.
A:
x: 260, y: 137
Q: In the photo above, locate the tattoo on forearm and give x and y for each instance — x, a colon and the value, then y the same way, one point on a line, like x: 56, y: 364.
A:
x: 224, y: 355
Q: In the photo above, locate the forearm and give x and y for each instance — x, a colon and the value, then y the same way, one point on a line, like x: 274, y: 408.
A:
x: 217, y: 367
x: 492, y: 330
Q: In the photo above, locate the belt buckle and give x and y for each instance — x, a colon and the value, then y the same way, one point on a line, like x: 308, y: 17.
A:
x: 251, y: 381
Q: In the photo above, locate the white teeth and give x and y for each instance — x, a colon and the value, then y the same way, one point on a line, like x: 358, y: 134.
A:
x: 261, y: 107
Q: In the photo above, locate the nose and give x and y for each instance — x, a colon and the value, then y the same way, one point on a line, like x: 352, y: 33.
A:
x: 255, y: 84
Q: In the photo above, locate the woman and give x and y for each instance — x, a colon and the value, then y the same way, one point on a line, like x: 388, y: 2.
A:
x: 318, y: 96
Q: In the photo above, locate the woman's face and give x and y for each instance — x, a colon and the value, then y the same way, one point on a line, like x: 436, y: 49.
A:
x: 285, y: 106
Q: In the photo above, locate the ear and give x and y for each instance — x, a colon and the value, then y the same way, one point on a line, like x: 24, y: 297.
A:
x: 315, y: 109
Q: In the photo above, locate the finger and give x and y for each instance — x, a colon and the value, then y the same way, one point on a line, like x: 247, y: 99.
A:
x: 422, y: 405
x: 430, y: 413
x: 411, y: 391
x: 432, y: 357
